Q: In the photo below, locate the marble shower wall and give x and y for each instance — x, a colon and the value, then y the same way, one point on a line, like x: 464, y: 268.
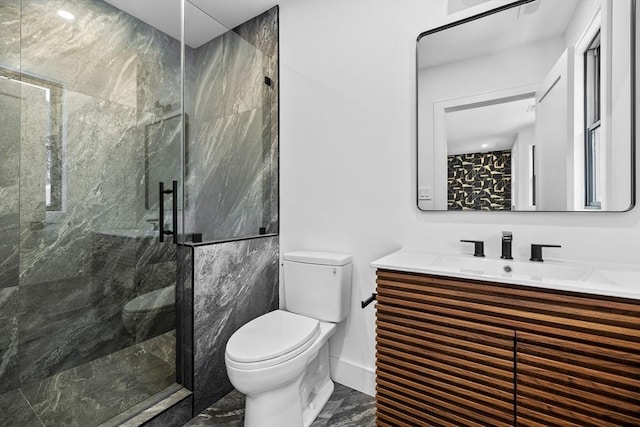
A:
x: 9, y: 170
x: 232, y: 187
x: 231, y: 192
x: 66, y: 275
x: 233, y: 283
x: 9, y: 198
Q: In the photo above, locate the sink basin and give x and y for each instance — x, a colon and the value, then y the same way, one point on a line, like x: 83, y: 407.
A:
x: 604, y: 279
x: 614, y: 277
x: 512, y: 268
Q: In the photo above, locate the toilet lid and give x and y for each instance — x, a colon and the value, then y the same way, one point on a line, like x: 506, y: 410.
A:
x: 271, y: 335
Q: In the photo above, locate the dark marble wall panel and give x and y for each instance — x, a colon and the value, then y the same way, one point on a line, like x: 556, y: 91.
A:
x: 233, y: 139
x: 90, y: 54
x: 262, y: 32
x: 479, y: 181
x: 158, y: 77
x: 159, y: 120
x: 234, y: 282
x: 10, y: 40
x: 111, y: 75
x: 100, y: 143
x: 9, y: 342
x: 16, y: 411
x: 81, y: 321
x: 9, y: 191
x: 184, y: 331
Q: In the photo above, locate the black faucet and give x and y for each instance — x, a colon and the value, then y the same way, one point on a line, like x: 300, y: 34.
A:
x: 507, y: 238
x: 536, y: 251
x: 478, y: 247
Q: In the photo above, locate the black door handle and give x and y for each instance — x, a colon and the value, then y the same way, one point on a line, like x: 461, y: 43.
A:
x: 161, y: 193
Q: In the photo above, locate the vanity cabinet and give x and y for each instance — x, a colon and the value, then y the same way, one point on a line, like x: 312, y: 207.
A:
x: 458, y: 352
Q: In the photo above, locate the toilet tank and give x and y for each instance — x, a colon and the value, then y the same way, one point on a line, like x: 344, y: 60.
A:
x: 318, y: 284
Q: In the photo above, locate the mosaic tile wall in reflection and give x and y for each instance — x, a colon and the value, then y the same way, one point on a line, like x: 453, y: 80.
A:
x: 479, y: 181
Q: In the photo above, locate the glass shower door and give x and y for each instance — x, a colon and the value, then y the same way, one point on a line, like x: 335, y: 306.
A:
x: 91, y: 119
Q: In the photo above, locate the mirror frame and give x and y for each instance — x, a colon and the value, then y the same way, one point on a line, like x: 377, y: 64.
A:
x: 633, y: 109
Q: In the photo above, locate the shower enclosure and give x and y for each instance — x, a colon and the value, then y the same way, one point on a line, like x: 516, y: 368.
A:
x: 91, y: 113
x: 128, y: 149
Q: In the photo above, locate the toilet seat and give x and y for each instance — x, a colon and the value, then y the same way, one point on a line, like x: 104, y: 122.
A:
x: 271, y: 339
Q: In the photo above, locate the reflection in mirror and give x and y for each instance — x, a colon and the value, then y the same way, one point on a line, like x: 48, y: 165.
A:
x: 528, y: 108
x: 481, y: 141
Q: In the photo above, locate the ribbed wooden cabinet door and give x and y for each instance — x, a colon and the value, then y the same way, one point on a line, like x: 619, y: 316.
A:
x: 567, y: 383
x: 454, y: 352
x: 436, y: 366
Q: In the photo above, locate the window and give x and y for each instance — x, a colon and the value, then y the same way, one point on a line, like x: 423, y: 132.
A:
x: 51, y: 95
x: 532, y: 176
x: 592, y: 109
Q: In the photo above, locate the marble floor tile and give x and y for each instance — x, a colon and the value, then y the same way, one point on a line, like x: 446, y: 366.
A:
x: 99, y: 390
x: 355, y: 410
x: 162, y: 346
x: 16, y: 412
x: 228, y: 412
x: 345, y: 408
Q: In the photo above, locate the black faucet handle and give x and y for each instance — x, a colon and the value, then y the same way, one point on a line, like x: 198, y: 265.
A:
x: 478, y: 247
x: 507, y: 240
x: 536, y: 251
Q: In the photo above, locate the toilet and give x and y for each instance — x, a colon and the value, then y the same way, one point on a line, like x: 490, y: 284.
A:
x: 150, y: 314
x: 280, y: 360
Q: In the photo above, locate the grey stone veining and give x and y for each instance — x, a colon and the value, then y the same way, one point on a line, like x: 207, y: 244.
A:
x: 345, y: 408
x: 95, y: 182
x: 9, y: 340
x: 233, y: 142
x: 234, y: 282
x: 16, y: 412
x: 10, y: 40
x: 184, y: 333
x: 90, y: 54
x: 93, y: 392
x: 63, y: 281
x: 68, y: 283
x: 9, y: 194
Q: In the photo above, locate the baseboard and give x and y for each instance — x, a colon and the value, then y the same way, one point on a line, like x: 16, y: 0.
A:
x: 353, y: 376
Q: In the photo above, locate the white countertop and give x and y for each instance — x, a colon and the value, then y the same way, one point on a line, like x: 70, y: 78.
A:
x: 617, y: 280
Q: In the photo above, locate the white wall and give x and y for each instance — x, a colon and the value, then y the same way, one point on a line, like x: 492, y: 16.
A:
x: 348, y: 159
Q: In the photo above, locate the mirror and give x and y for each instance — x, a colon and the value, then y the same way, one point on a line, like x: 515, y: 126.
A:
x: 529, y: 107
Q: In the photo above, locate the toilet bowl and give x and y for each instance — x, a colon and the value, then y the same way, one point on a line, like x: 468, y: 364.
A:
x: 150, y: 314
x: 280, y: 360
